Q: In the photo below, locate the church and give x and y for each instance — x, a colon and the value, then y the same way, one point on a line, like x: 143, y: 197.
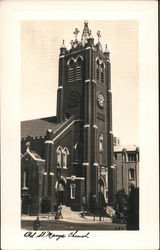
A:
x: 68, y: 158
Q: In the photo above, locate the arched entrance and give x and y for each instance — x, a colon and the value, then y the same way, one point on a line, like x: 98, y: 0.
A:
x: 102, y: 191
x: 60, y: 193
x: 60, y: 187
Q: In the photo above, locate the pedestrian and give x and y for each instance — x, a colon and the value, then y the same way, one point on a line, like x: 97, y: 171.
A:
x: 60, y: 211
x: 49, y: 216
x: 36, y: 224
x: 83, y: 206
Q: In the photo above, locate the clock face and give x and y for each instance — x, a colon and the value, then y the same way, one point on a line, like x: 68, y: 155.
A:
x: 100, y: 100
x: 74, y: 99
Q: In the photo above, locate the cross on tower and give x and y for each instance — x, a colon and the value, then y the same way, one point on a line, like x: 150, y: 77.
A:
x: 99, y: 35
x: 76, y: 33
x: 71, y: 42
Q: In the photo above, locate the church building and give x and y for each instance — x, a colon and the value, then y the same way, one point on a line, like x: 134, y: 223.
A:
x: 68, y: 158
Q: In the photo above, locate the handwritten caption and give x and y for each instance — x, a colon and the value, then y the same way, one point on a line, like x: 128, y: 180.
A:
x: 50, y: 235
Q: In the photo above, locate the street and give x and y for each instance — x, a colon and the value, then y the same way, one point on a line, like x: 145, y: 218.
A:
x: 63, y: 225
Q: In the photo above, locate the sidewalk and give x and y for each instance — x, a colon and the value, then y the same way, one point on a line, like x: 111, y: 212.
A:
x: 76, y: 219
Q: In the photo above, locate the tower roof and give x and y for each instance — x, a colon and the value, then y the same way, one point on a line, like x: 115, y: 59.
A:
x: 86, y: 33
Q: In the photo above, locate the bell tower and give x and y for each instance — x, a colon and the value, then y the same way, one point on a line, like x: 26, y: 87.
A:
x: 84, y: 92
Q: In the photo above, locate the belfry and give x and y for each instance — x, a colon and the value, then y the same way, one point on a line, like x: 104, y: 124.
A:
x: 69, y: 157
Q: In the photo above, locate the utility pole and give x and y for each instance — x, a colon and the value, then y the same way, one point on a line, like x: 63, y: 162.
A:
x: 99, y: 193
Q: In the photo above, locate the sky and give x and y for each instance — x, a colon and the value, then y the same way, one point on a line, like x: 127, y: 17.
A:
x: 40, y: 46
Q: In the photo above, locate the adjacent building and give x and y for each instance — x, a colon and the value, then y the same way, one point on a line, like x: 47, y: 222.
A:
x: 126, y: 162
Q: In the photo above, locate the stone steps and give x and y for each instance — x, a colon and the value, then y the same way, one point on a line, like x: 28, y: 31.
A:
x: 68, y: 213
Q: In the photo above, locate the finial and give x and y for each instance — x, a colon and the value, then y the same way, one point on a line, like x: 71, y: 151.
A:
x: 28, y: 146
x: 90, y: 33
x: 76, y: 33
x: 71, y: 42
x: 86, y: 33
x: 99, y: 35
x: 106, y: 48
x: 63, y: 45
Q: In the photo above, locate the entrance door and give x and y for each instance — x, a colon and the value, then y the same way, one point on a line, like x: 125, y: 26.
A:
x: 60, y: 191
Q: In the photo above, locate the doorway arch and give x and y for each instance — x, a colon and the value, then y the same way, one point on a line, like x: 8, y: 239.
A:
x: 60, y: 190
x: 102, y: 185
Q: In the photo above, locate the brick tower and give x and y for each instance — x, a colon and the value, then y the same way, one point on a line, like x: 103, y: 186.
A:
x: 84, y: 92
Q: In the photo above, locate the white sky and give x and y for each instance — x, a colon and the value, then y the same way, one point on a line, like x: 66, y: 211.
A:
x: 40, y: 46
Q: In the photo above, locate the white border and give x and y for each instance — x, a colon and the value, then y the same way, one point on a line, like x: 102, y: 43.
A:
x: 11, y: 14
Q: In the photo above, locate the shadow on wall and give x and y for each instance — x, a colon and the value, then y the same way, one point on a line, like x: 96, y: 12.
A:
x: 133, y: 212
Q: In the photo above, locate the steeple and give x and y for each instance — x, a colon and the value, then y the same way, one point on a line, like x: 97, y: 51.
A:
x: 86, y: 33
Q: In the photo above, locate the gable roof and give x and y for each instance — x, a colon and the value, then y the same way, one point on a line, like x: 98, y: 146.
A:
x: 129, y: 148
x: 38, y: 127
x: 33, y: 155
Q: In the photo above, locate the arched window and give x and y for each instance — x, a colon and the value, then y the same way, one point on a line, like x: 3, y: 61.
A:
x: 65, y: 157
x: 78, y: 151
x: 102, y: 73
x: 97, y: 70
x: 59, y: 157
x: 71, y: 70
x: 131, y: 156
x: 79, y: 63
x: 131, y: 174
x: 25, y: 178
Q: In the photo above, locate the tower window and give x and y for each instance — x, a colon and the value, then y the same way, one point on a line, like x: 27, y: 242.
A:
x: 102, y: 73
x: 73, y: 191
x: 78, y: 151
x: 131, y: 157
x: 131, y: 174
x: 71, y: 70
x: 79, y: 64
x: 97, y: 70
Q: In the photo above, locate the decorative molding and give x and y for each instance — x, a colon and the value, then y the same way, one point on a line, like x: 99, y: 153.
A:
x: 51, y: 173
x: 60, y: 87
x: 48, y: 142
x: 110, y: 132
x: 61, y: 56
x: 88, y: 48
x: 76, y: 178
x: 32, y: 155
x: 86, y: 126
x: 88, y: 80
x: 109, y: 90
x: 95, y: 126
x: 45, y: 173
x: 94, y: 81
x: 66, y: 128
x: 113, y: 167
x: 79, y: 56
x: 85, y: 163
x: 95, y: 164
